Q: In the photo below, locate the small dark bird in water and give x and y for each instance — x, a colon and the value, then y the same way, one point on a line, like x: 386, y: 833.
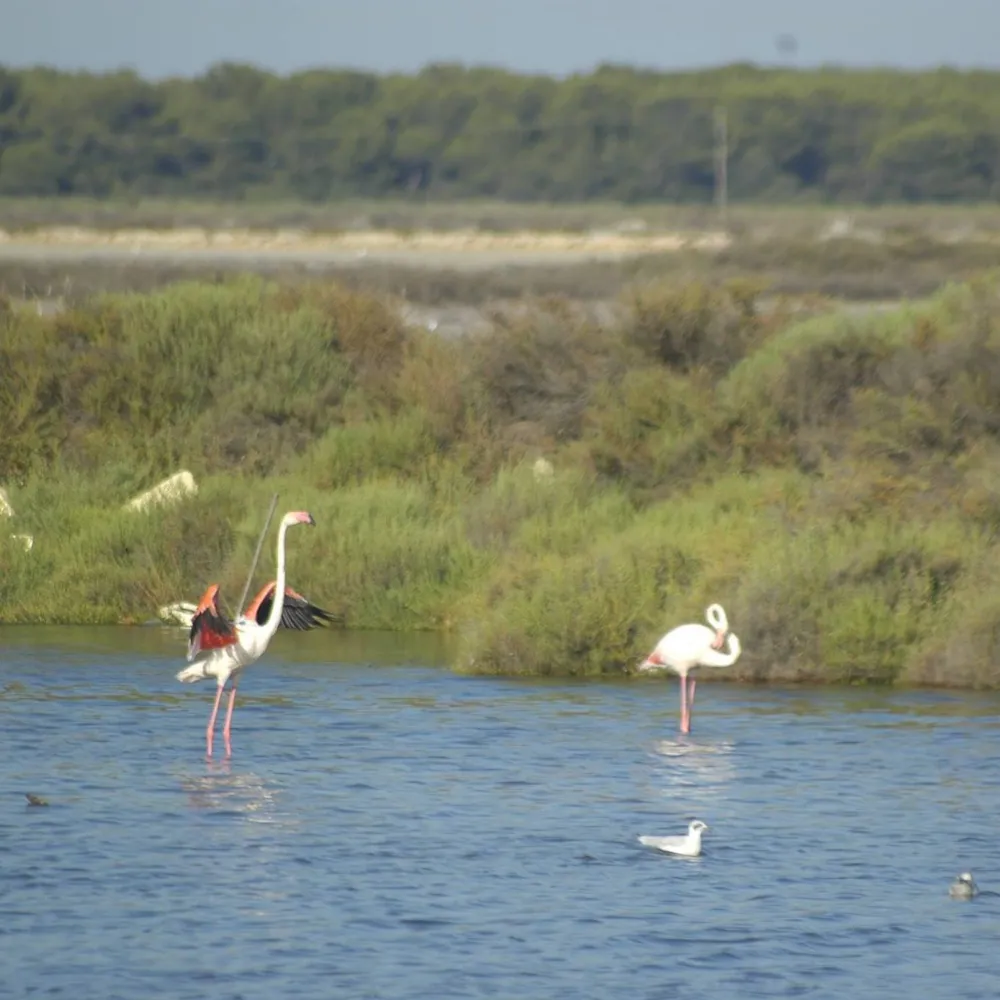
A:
x: 964, y: 887
x: 35, y: 800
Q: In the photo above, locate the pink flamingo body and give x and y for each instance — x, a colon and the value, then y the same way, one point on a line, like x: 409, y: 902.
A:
x: 687, y: 647
x: 220, y: 649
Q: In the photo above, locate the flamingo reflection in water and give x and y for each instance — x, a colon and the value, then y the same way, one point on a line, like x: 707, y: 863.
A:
x: 223, y: 789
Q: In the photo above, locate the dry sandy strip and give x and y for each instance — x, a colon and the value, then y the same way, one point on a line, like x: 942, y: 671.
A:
x: 466, y: 249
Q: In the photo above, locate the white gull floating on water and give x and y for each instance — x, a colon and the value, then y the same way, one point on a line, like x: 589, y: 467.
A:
x: 964, y: 887
x: 688, y: 846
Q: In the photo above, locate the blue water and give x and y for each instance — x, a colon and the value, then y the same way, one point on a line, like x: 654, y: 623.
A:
x: 386, y: 829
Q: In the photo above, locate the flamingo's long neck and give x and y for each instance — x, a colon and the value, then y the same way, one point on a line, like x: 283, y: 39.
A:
x: 271, y: 625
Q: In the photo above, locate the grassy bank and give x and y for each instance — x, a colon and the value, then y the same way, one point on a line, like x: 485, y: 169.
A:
x: 831, y: 480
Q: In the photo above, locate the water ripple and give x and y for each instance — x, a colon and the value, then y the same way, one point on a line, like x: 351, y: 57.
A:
x: 398, y: 832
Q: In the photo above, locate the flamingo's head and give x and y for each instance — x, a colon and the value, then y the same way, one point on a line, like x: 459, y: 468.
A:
x: 716, y: 616
x: 298, y: 517
x: 652, y: 662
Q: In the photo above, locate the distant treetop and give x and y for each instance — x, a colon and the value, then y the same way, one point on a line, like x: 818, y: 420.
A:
x: 452, y: 132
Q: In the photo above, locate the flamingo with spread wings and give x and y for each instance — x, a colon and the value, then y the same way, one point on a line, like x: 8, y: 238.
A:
x: 693, y: 645
x: 220, y: 649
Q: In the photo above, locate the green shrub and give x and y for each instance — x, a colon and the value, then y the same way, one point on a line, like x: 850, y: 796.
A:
x: 832, y: 481
x: 695, y: 325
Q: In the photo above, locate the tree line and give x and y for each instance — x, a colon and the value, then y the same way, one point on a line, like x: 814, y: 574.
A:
x: 616, y: 133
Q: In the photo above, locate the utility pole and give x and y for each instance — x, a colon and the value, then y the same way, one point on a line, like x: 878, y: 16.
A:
x: 722, y: 164
x: 5, y: 134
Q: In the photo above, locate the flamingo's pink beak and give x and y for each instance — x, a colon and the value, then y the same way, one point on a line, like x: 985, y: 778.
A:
x: 720, y: 639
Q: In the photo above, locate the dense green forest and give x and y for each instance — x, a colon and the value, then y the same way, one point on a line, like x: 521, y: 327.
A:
x: 831, y: 478
x: 451, y: 132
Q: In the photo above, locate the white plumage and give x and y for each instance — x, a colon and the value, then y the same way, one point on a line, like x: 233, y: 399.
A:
x: 219, y: 648
x: 964, y: 887
x: 688, y: 846
x: 689, y: 646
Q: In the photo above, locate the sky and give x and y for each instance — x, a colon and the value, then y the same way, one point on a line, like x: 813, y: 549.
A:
x: 161, y: 38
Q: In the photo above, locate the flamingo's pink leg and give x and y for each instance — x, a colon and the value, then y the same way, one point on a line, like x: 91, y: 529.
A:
x: 226, y: 729
x: 685, y: 716
x: 210, y: 731
x: 690, y: 703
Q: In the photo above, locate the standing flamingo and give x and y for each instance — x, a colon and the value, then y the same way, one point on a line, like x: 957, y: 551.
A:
x: 689, y: 646
x: 220, y: 648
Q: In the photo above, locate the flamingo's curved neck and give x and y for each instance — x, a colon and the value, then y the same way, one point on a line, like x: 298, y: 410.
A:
x: 733, y: 650
x: 278, y: 603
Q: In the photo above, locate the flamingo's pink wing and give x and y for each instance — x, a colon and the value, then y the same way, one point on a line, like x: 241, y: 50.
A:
x: 210, y: 629
x: 260, y: 606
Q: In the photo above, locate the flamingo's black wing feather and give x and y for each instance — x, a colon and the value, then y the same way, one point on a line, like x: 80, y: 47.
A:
x: 296, y: 612
x: 302, y: 615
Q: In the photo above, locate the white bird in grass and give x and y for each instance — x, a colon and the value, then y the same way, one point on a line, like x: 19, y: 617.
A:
x: 688, y: 846
x: 220, y: 648
x: 689, y: 646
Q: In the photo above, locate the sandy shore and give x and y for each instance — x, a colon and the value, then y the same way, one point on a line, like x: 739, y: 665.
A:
x: 469, y: 249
